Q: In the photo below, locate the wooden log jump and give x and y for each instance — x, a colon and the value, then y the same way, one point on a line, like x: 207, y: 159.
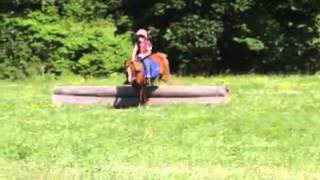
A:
x: 126, y: 96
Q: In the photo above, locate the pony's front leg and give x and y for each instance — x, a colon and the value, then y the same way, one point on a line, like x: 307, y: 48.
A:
x: 142, y: 96
x: 129, y: 74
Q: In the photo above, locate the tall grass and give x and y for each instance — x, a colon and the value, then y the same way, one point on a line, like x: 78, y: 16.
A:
x: 270, y: 129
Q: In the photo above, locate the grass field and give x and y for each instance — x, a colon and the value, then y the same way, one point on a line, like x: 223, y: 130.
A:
x: 270, y: 130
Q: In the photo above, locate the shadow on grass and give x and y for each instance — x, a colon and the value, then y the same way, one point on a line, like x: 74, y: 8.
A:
x: 128, y: 97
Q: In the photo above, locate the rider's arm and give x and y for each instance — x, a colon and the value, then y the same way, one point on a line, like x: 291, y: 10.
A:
x: 134, y: 52
x: 149, y: 51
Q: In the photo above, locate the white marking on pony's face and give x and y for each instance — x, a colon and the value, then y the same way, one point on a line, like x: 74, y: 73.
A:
x: 129, y: 73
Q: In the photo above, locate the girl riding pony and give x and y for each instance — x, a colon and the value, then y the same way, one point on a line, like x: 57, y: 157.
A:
x: 141, y: 51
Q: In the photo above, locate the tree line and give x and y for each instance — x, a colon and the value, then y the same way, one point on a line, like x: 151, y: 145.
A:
x: 200, y: 36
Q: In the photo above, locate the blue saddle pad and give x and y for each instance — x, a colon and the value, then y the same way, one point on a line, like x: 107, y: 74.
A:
x: 155, y: 68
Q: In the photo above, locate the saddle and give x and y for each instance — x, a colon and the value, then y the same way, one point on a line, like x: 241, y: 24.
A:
x: 154, y: 68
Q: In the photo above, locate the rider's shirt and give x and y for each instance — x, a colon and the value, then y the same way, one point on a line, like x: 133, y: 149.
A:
x: 144, y: 47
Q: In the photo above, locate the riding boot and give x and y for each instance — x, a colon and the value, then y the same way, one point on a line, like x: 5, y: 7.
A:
x: 148, y: 81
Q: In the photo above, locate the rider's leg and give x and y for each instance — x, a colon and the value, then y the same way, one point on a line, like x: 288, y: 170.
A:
x: 147, y: 65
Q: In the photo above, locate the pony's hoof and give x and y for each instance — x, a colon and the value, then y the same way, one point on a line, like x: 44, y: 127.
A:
x: 140, y: 105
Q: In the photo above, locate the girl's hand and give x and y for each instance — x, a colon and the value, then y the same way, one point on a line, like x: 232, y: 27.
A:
x: 140, y: 57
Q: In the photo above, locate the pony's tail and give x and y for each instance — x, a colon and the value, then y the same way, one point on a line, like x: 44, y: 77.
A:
x: 166, y: 70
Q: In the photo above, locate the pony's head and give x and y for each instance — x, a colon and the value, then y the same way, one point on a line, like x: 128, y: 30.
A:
x: 135, y: 72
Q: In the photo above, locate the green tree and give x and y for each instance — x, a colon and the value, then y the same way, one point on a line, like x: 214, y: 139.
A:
x: 200, y: 36
x: 240, y: 35
x: 42, y: 44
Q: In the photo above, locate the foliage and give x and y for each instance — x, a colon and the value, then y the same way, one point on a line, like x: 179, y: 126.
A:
x: 261, y: 36
x: 187, y: 30
x: 316, y: 40
x: 200, y: 36
x: 42, y: 44
x: 252, y: 43
x: 269, y: 129
x: 193, y: 36
x: 285, y: 29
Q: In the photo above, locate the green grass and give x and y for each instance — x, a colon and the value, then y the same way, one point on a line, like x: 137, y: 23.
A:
x: 269, y: 130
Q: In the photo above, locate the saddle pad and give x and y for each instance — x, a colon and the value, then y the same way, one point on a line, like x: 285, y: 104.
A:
x: 155, y: 68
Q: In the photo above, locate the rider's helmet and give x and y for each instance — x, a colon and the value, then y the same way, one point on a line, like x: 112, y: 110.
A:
x: 142, y: 32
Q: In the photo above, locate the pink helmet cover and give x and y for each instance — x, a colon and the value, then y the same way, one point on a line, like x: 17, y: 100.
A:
x: 142, y: 32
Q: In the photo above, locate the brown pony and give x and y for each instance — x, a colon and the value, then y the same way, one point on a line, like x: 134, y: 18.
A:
x: 135, y: 74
